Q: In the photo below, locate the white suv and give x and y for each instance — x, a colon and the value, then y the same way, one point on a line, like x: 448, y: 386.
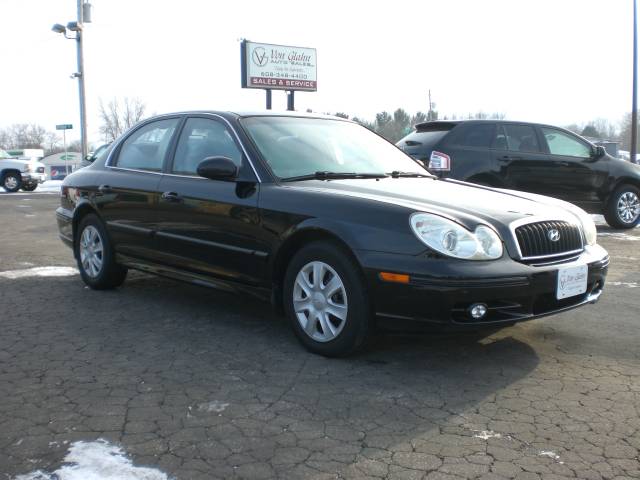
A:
x: 16, y: 174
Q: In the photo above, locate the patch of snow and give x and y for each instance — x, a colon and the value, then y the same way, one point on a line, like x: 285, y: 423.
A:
x: 39, y: 272
x: 486, y: 434
x: 624, y: 284
x: 214, y: 406
x: 50, y: 186
x: 97, y: 460
x: 619, y: 236
x: 550, y: 454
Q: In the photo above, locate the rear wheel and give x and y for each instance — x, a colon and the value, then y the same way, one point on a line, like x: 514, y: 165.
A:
x: 325, y: 300
x: 95, y: 256
x: 623, y: 208
x: 12, y: 182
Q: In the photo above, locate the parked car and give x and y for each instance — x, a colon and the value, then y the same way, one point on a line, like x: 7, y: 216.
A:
x: 533, y: 158
x: 329, y: 221
x: 93, y: 156
x: 16, y: 174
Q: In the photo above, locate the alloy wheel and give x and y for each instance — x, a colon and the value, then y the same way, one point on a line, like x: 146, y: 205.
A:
x: 320, y: 301
x: 91, y: 251
x: 628, y: 207
x: 11, y: 182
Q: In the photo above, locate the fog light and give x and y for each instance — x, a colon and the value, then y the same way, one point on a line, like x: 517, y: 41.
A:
x: 477, y: 311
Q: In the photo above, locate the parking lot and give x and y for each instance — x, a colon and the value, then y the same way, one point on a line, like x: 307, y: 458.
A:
x: 197, y: 383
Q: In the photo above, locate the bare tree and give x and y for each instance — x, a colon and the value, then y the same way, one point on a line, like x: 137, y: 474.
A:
x: 120, y: 115
x: 24, y: 135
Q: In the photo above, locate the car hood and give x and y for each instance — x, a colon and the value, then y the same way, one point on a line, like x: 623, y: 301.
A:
x: 466, y: 203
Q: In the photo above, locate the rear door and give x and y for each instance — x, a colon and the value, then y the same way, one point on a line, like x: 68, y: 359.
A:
x: 468, y: 149
x: 210, y: 226
x: 522, y: 163
x: 127, y: 193
x: 576, y: 176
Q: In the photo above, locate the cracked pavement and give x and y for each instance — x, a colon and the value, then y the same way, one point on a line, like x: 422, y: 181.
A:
x: 202, y: 384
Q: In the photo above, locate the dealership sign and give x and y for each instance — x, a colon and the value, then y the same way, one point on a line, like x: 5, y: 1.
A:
x: 278, y: 67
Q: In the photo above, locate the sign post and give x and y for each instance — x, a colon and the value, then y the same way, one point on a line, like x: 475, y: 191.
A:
x: 278, y: 67
x: 64, y: 127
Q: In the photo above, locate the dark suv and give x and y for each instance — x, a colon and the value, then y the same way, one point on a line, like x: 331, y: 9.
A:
x: 535, y: 158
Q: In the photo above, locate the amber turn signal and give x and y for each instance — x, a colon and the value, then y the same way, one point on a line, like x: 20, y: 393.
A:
x: 394, y: 277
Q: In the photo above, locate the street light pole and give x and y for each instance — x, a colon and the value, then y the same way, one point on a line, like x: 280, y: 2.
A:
x: 634, y: 106
x: 81, y: 92
x: 84, y: 15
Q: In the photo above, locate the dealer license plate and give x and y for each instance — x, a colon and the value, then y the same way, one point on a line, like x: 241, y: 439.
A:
x: 572, y: 281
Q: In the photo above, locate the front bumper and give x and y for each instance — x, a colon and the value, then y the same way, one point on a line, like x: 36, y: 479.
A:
x: 441, y: 290
x: 33, y: 178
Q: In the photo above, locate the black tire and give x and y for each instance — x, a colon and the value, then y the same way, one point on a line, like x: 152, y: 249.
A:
x: 358, y: 323
x: 110, y: 274
x: 14, y: 179
x: 611, y: 213
x: 30, y: 188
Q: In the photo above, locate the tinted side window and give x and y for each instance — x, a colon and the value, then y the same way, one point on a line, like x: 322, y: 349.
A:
x: 521, y: 138
x: 202, y: 138
x: 561, y: 143
x: 479, y: 136
x: 146, y: 148
x: 500, y: 142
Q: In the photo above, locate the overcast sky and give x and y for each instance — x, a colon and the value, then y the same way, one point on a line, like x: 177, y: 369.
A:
x: 554, y: 61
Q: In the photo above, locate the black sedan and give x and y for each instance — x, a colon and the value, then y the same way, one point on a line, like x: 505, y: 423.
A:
x: 334, y: 225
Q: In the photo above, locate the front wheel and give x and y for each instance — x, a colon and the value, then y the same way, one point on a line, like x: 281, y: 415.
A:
x: 95, y: 255
x: 30, y: 188
x: 326, y: 301
x: 12, y: 182
x: 623, y: 207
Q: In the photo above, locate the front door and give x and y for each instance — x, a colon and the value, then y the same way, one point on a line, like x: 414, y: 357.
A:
x: 210, y: 226
x: 576, y: 175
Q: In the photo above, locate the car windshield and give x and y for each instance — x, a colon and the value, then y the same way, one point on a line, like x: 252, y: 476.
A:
x: 4, y: 154
x: 295, y: 147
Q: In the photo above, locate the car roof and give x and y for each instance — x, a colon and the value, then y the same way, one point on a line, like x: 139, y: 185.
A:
x: 255, y: 113
x: 434, y: 124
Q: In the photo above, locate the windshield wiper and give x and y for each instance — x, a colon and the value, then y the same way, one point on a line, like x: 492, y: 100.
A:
x: 398, y: 174
x: 324, y: 175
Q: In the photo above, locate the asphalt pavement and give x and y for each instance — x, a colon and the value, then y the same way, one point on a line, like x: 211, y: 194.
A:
x: 198, y: 384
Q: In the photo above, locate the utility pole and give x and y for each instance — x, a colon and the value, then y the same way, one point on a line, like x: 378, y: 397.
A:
x: 634, y: 107
x: 83, y: 107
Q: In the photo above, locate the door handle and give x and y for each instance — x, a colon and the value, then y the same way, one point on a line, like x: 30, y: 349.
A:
x: 171, y: 197
x: 508, y: 158
x: 564, y: 164
x: 105, y: 189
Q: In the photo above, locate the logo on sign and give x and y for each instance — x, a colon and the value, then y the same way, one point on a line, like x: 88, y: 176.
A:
x: 259, y: 56
x: 553, y: 235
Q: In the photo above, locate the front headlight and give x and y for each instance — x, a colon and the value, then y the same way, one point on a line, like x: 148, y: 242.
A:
x: 449, y: 238
x: 588, y: 225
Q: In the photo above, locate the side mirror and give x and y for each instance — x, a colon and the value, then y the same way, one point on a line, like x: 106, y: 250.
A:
x: 90, y: 158
x: 600, y: 151
x: 218, y: 168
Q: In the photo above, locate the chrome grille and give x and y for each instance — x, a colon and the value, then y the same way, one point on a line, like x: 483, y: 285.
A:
x: 534, y: 239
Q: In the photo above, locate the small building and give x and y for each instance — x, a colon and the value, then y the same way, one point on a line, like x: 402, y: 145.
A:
x: 59, y: 165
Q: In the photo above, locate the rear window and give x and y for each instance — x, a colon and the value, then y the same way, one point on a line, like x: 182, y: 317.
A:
x: 426, y: 138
